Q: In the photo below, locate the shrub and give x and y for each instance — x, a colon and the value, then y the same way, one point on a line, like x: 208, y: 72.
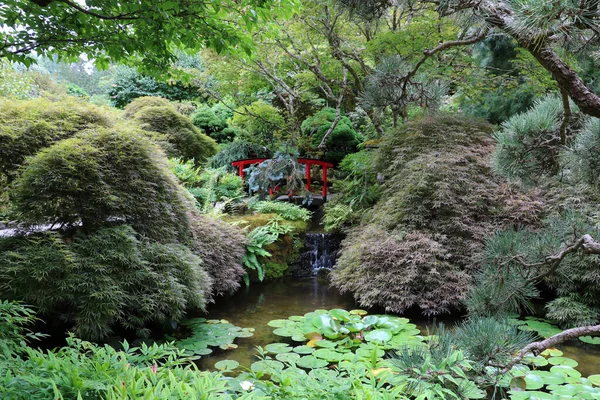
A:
x: 103, y: 175
x: 238, y: 150
x: 221, y: 247
x: 288, y: 211
x: 423, y: 237
x: 583, y: 160
x: 185, y: 139
x: 398, y: 272
x: 29, y: 126
x: 140, y: 103
x: 105, y: 279
x: 342, y: 141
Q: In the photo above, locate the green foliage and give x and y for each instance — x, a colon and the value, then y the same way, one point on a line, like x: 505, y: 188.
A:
x: 528, y: 143
x: 339, y: 217
x: 259, y: 123
x: 147, y: 33
x: 143, y: 102
x: 340, y: 142
x: 128, y: 84
x: 29, y: 126
x: 222, y: 248
x: 85, y: 370
x: 399, y: 271
x: 99, y: 281
x: 572, y: 310
x: 75, y: 90
x: 238, y: 150
x: 583, y: 159
x: 258, y: 239
x: 211, y: 333
x: 438, y: 203
x: 213, y: 121
x: 183, y: 138
x: 14, y: 319
x: 103, y: 175
x: 14, y: 84
x: 287, y: 211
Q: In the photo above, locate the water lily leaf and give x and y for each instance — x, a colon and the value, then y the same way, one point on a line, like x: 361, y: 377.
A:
x: 311, y: 362
x: 303, y: 349
x: 288, y: 357
x: 295, y: 318
x: 358, y: 312
x: 298, y: 337
x: 203, y: 352
x: 380, y: 335
x: 267, y: 366
x: 594, y: 379
x: 538, y: 361
x: 285, y: 332
x: 323, y: 374
x: 533, y: 382
x: 325, y: 343
x: 339, y: 314
x: 328, y: 355
x: 590, y: 339
x: 226, y: 365
x: 213, y: 321
x: 366, y: 352
x: 370, y: 320
x: 549, y: 378
x: 312, y: 343
x: 313, y: 336
x: 569, y: 362
x: 277, y: 348
x: 244, y: 334
x: 566, y: 371
x: 278, y: 323
x: 518, y: 382
x: 228, y: 346
x: 551, y: 353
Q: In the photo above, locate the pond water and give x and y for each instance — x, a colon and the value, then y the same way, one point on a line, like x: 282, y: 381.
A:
x: 255, y: 306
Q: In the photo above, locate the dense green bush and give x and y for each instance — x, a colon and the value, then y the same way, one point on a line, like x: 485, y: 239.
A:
x: 98, y: 281
x: 29, y: 126
x: 213, y: 121
x: 342, y: 141
x: 583, y: 159
x: 103, y: 175
x: 185, y: 139
x: 420, y: 242
x: 140, y: 103
x: 221, y: 247
x: 238, y: 150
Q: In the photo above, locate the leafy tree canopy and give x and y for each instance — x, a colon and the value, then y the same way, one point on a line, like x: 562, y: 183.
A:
x: 112, y: 30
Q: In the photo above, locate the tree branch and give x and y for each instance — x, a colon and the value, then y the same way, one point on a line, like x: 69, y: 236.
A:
x: 538, y: 347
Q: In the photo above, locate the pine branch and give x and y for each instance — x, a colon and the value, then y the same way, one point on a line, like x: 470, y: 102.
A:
x: 538, y: 347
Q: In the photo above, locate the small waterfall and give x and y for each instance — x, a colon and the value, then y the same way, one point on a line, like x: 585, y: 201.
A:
x: 320, y: 252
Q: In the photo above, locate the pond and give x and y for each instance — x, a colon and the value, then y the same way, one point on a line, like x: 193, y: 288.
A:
x: 255, y: 306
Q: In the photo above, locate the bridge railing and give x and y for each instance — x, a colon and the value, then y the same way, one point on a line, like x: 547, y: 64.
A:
x: 241, y: 165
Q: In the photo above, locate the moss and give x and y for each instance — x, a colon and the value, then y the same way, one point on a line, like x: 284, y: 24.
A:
x: 275, y: 270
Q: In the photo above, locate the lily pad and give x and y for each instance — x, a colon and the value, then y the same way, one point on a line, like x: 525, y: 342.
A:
x: 267, y: 366
x: 569, y: 362
x: 277, y: 348
x: 590, y: 339
x: 379, y: 335
x: 594, y: 379
x: 226, y: 365
x: 311, y: 362
x: 551, y: 353
x: 288, y: 357
x: 533, y: 382
x: 303, y: 349
x: 278, y: 323
x: 358, y: 312
x: 329, y: 355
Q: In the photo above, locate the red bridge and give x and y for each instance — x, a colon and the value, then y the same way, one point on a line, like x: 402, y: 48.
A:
x: 307, y: 162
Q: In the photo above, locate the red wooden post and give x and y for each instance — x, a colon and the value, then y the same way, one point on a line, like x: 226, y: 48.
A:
x: 324, y: 190
x: 242, y: 171
x: 307, y: 165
